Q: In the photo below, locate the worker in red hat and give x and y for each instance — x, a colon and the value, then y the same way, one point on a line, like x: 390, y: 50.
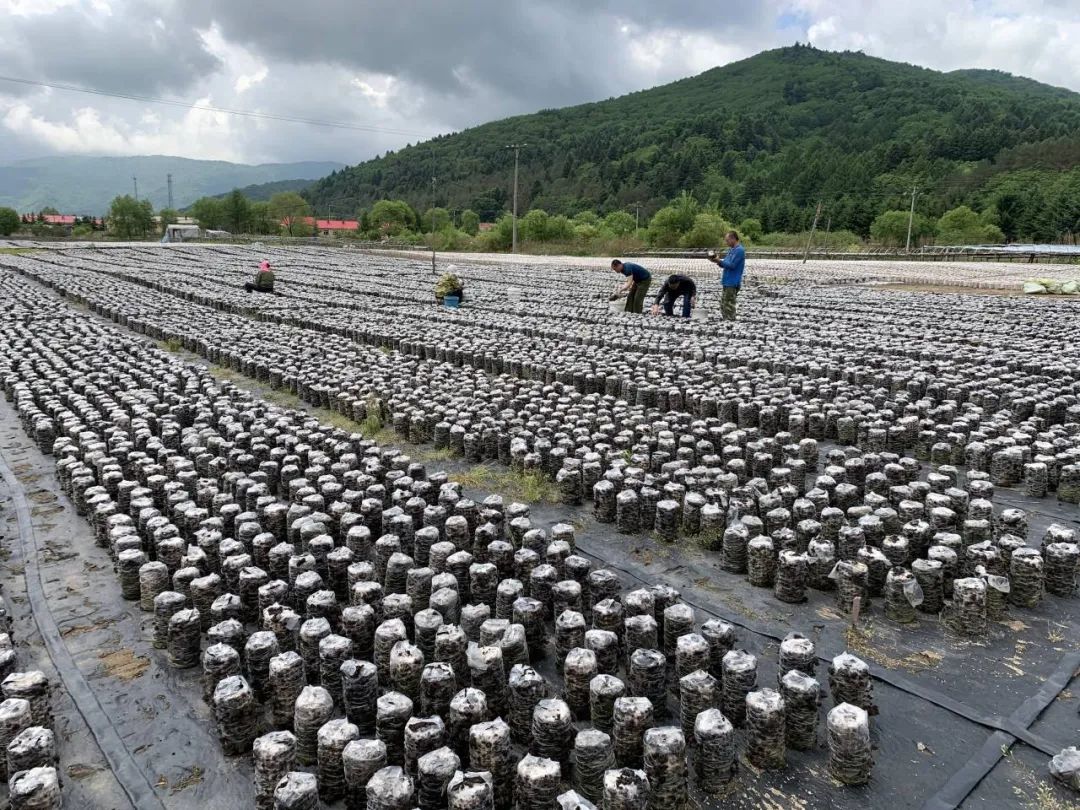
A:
x: 264, y: 279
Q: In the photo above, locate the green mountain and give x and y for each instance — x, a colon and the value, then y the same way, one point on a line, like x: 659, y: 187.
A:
x: 767, y: 137
x: 86, y: 185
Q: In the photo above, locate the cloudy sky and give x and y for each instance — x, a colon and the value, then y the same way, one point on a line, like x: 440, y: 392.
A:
x: 398, y: 71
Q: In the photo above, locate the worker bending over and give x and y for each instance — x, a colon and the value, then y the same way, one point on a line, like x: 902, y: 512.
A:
x: 264, y: 279
x: 733, y: 263
x: 637, y: 284
x: 676, y: 286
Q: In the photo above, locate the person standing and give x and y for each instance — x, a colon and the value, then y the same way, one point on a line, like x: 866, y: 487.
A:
x: 637, y: 284
x: 733, y: 264
x: 676, y: 286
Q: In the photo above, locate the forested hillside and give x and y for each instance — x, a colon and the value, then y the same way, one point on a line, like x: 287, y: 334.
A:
x: 261, y: 192
x: 767, y: 138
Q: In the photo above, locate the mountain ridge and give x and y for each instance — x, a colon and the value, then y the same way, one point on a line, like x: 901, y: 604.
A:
x: 764, y: 137
x: 85, y: 185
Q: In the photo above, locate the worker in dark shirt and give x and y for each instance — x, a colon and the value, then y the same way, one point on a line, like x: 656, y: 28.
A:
x: 637, y: 284
x: 676, y: 286
x: 264, y: 279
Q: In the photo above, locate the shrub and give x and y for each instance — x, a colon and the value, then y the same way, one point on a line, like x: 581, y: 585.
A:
x: 672, y: 221
x: 470, y: 222
x: 9, y: 221
x: 533, y: 227
x: 750, y: 229
x: 559, y: 228
x: 891, y: 228
x: 450, y: 239
x: 392, y: 217
x: 962, y: 226
x: 707, y: 232
x: 620, y: 223
x: 500, y: 237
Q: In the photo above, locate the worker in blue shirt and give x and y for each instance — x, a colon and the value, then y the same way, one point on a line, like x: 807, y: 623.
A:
x: 733, y: 263
x: 637, y: 284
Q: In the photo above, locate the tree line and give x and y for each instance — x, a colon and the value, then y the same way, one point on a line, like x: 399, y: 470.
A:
x: 683, y: 222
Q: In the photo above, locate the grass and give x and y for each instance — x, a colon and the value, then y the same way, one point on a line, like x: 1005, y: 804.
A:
x: 373, y: 422
x: 529, y: 487
x: 1046, y: 798
x: 709, y: 539
x: 227, y: 374
x: 176, y: 346
x: 435, y: 454
x: 18, y: 251
x: 864, y: 642
x: 371, y: 425
x: 384, y: 436
x: 189, y: 779
x: 1048, y: 795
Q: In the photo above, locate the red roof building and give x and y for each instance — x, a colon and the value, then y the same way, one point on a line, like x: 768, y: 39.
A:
x: 338, y: 225
x: 60, y: 219
x: 330, y: 226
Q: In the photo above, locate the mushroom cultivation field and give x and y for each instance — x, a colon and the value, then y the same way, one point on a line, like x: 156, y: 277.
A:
x: 973, y: 275
x: 340, y: 547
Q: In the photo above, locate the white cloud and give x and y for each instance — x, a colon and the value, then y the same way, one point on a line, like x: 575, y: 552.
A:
x: 379, y: 90
x: 247, y: 81
x: 441, y: 68
x: 85, y: 131
x: 29, y: 8
x: 680, y: 53
x: 1033, y: 39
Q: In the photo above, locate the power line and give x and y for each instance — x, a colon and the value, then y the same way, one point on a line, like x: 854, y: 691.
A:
x: 206, y: 108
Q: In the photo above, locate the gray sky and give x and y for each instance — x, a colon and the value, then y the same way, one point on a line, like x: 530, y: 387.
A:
x: 417, y: 68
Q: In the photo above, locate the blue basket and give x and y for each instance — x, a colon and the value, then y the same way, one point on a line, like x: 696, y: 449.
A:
x: 451, y: 302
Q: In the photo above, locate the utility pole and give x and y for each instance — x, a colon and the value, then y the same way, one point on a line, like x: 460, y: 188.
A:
x: 910, y: 219
x: 813, y: 228
x: 434, y: 162
x: 135, y: 180
x: 637, y: 217
x: 517, y: 152
x: 168, y: 179
x: 828, y: 227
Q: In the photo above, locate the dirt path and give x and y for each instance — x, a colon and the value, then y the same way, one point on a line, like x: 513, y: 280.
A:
x: 156, y: 710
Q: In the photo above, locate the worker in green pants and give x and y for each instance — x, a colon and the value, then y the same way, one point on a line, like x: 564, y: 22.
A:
x: 637, y: 284
x: 733, y: 263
